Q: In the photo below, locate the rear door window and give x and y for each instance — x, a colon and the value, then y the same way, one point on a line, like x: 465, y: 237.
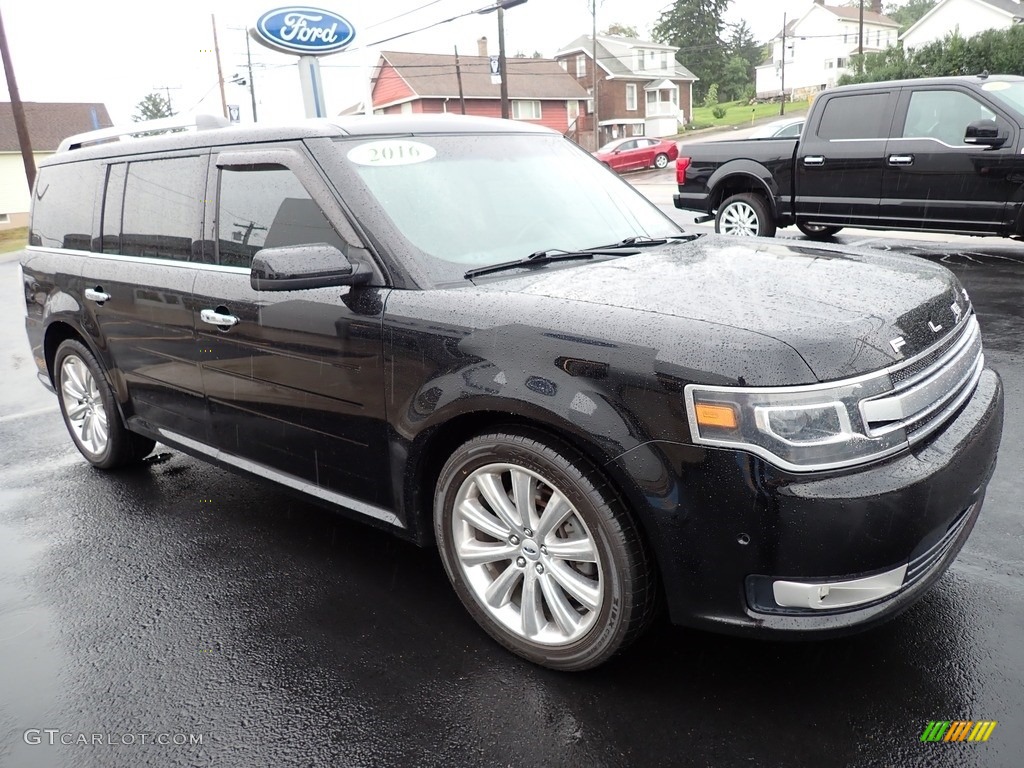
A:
x: 163, y: 209
x: 861, y: 116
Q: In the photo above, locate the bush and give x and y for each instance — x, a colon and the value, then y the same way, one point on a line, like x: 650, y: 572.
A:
x: 719, y: 112
x: 711, y: 99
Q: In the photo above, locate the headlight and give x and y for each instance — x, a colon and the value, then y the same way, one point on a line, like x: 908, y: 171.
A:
x: 801, y: 429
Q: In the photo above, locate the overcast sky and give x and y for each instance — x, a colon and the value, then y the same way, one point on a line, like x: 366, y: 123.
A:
x: 117, y: 51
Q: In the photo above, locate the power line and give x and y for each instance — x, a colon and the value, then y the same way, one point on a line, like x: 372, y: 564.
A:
x: 407, y: 13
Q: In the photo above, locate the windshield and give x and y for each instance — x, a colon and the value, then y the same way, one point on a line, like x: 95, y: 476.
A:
x: 451, y: 203
x: 1010, y: 93
x: 611, y: 146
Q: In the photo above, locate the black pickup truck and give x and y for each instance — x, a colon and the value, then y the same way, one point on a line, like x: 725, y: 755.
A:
x: 934, y: 154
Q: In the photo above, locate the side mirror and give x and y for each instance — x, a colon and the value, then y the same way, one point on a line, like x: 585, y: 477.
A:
x: 296, y: 267
x: 986, y: 133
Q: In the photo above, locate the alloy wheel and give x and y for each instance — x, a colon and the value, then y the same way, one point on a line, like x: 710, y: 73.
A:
x: 83, y: 404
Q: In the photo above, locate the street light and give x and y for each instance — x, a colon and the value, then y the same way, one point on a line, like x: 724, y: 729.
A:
x: 500, y: 6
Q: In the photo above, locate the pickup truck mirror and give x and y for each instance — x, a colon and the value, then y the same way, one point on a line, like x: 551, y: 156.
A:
x: 295, y: 267
x: 986, y: 133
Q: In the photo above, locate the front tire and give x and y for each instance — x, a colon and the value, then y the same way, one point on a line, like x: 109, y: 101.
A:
x: 817, y: 231
x: 541, y: 550
x: 90, y: 414
x: 661, y: 161
x: 745, y: 215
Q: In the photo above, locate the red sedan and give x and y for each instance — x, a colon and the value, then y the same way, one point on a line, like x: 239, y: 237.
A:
x: 637, y: 152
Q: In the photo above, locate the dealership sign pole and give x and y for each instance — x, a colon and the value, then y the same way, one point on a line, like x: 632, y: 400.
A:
x: 307, y: 33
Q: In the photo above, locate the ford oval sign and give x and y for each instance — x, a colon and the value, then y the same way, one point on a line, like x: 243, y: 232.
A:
x: 303, y: 30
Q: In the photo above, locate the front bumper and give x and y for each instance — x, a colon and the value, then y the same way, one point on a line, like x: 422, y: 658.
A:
x: 726, y: 527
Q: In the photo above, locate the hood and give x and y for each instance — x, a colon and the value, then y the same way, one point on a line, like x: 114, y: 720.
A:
x: 844, y: 311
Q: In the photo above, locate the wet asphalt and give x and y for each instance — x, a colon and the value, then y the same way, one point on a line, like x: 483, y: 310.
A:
x: 176, y: 601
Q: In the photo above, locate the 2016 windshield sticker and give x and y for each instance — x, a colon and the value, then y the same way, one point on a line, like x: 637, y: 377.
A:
x: 997, y: 85
x: 391, y: 152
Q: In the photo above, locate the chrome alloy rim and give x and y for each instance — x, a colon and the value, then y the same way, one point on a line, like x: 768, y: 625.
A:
x: 661, y: 161
x: 526, y: 554
x: 739, y: 219
x: 83, y: 405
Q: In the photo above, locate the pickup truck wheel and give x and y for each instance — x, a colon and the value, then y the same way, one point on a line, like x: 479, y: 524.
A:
x: 745, y: 215
x: 817, y: 231
x: 541, y: 551
x: 92, y: 418
x: 661, y: 161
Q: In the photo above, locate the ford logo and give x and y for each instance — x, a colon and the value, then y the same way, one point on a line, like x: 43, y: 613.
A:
x: 303, y: 30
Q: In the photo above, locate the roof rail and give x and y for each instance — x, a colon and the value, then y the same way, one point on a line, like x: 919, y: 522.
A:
x: 199, y: 122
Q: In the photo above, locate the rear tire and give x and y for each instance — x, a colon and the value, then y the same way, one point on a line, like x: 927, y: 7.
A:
x: 817, y: 231
x: 661, y: 161
x: 90, y: 413
x: 541, y: 551
x: 745, y: 215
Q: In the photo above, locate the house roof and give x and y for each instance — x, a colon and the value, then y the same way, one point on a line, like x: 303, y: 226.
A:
x: 432, y: 75
x: 1011, y: 8
x: 49, y: 122
x: 615, y: 66
x: 845, y: 12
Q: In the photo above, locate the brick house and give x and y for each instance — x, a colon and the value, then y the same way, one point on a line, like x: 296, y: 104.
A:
x: 642, y: 89
x: 539, y: 90
x: 48, y: 123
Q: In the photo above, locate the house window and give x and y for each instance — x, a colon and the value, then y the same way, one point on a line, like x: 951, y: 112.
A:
x: 842, y: 63
x: 631, y: 97
x: 572, y: 108
x: 641, y: 60
x: 664, y: 60
x: 525, y: 109
x: 406, y: 108
x: 5, y: 218
x: 829, y: 63
x: 581, y: 65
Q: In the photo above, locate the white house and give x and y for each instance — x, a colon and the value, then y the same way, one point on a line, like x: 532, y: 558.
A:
x: 48, y: 123
x: 819, y: 44
x: 969, y: 17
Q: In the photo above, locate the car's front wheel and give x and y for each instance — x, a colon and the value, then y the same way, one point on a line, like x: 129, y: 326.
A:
x: 92, y: 418
x: 745, y: 215
x: 541, y: 550
x: 661, y: 161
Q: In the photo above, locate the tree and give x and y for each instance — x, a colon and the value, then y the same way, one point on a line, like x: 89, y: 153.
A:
x: 736, y: 79
x: 695, y: 27
x: 909, y: 13
x: 615, y: 29
x: 153, y: 107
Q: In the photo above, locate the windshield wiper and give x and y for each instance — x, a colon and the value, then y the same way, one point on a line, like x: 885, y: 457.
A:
x: 539, y: 258
x: 646, y: 241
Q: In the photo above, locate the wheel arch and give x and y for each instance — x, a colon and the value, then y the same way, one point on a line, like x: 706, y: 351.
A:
x: 743, y: 176
x: 59, y: 331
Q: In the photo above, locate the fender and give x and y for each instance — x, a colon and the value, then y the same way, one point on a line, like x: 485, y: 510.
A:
x: 752, y: 171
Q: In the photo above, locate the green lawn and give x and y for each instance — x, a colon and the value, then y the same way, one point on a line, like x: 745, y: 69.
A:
x: 13, y: 239
x: 739, y: 113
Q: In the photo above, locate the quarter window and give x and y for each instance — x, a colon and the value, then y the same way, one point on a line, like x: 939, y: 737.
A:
x: 523, y: 109
x: 266, y: 206
x: 163, y: 209
x: 62, y: 206
x: 854, y: 117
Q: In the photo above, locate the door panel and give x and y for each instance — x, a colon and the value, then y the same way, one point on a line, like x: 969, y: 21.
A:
x: 840, y: 159
x: 934, y: 180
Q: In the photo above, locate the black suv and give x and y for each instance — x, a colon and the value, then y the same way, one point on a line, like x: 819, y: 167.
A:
x: 468, y: 332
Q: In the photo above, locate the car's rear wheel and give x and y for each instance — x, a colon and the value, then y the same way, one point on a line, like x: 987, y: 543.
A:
x: 661, y: 161
x: 541, y: 550
x: 817, y: 231
x: 90, y: 415
x: 745, y: 215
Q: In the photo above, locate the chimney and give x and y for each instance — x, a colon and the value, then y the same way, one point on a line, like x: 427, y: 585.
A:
x: 481, y: 46
x: 876, y: 6
x: 819, y: 2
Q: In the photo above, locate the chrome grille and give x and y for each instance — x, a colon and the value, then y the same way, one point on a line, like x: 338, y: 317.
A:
x: 924, y: 400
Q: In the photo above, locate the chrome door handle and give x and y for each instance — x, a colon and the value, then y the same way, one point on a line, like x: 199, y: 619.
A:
x: 814, y: 160
x: 94, y: 294
x: 901, y: 159
x: 213, y: 317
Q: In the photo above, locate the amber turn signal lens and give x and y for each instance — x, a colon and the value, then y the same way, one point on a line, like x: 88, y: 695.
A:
x: 717, y: 415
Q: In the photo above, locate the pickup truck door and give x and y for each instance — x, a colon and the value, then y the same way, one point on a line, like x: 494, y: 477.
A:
x: 933, y: 179
x: 840, y: 157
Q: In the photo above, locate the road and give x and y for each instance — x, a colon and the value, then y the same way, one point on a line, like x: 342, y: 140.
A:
x: 179, y: 600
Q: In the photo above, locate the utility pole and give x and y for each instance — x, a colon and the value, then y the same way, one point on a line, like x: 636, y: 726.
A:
x: 860, y: 37
x: 220, y: 72
x: 20, y: 126
x: 458, y: 76
x: 167, y: 89
x: 782, y: 106
x: 501, y: 62
x: 593, y: 54
x: 248, y: 65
